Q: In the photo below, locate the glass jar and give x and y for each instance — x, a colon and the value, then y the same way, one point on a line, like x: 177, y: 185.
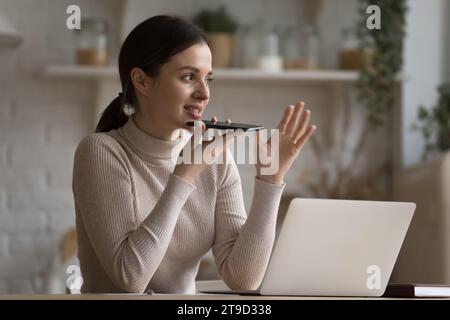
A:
x: 269, y: 58
x: 311, y: 47
x: 351, y: 55
x: 92, y: 41
x: 292, y: 56
x: 250, y: 47
x: 301, y: 47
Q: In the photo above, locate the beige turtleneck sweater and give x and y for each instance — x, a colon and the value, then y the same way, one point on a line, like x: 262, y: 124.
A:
x: 140, y: 227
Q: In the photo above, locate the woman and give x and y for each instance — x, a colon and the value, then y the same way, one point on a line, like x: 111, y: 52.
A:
x: 143, y: 221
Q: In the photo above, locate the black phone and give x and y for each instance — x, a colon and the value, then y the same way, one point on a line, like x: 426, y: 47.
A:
x: 226, y: 126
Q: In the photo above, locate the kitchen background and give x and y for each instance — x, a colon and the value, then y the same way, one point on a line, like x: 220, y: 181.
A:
x: 48, y: 103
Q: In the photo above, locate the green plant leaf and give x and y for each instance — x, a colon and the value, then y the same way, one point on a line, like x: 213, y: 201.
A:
x: 422, y: 113
x: 218, y: 20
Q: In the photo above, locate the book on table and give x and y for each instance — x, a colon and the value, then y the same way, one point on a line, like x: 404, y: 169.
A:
x: 415, y: 290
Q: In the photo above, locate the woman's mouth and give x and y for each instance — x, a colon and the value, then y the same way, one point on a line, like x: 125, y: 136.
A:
x: 193, y: 111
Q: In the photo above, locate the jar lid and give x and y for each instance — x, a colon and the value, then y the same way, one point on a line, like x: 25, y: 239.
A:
x: 99, y: 25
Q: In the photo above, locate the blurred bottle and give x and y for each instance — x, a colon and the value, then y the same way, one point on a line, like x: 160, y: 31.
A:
x: 250, y: 47
x: 92, y: 41
x: 311, y: 47
x: 269, y: 56
x: 291, y: 38
x: 301, y: 47
x: 351, y: 56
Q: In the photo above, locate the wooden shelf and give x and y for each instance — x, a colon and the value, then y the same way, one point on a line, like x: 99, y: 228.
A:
x: 287, y: 75
x: 73, y: 71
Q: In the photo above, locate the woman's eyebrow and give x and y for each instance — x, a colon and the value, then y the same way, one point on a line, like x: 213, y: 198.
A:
x: 193, y: 69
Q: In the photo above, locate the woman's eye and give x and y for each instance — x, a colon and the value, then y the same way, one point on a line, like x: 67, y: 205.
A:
x: 189, y: 77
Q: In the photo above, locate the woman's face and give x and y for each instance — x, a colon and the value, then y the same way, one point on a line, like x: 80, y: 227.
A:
x: 180, y: 92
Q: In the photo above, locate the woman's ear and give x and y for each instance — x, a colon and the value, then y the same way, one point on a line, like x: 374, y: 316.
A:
x: 141, y: 81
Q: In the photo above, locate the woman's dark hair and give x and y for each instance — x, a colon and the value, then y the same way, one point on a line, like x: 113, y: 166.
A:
x: 148, y: 46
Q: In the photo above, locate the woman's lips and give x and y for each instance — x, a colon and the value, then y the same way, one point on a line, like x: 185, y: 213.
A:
x: 193, y: 113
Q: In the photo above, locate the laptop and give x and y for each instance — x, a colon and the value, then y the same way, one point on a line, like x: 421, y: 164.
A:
x: 335, y: 248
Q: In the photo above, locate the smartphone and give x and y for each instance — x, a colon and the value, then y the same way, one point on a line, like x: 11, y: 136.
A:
x: 226, y: 126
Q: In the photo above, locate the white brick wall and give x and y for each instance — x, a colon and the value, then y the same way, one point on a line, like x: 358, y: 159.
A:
x: 60, y: 222
x: 41, y: 122
x: 3, y: 286
x: 28, y: 178
x: 40, y: 155
x: 40, y: 243
x: 21, y: 284
x: 2, y: 200
x: 4, y: 246
x: 22, y: 266
x: 24, y: 221
x: 59, y: 179
x: 49, y: 201
x: 5, y: 109
x: 65, y: 133
x: 2, y: 155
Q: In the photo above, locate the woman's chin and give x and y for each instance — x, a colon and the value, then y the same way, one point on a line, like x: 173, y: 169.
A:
x: 186, y: 126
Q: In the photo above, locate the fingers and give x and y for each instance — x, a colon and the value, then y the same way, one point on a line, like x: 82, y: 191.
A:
x: 214, y: 119
x: 305, y: 137
x: 294, y: 119
x: 285, y: 119
x: 304, y: 120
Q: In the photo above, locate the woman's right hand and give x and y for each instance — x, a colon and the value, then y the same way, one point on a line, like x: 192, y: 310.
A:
x: 189, y: 171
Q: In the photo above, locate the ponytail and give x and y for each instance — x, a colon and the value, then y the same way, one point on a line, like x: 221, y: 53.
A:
x: 114, y: 115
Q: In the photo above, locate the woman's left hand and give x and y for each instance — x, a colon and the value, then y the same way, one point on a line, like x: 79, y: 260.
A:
x: 294, y: 131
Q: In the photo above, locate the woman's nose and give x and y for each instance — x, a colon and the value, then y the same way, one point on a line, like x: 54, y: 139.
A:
x: 202, y: 91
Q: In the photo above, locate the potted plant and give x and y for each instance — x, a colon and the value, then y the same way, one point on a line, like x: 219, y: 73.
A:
x: 220, y: 27
x: 435, y: 123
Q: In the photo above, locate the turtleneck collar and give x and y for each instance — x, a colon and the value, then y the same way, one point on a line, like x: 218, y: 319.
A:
x: 150, y: 149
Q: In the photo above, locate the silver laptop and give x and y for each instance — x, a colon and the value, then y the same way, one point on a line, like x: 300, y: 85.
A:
x: 335, y: 248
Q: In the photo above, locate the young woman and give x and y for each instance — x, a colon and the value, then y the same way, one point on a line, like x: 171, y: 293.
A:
x: 143, y: 221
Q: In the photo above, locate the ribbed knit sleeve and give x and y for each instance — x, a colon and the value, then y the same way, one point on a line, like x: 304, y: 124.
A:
x: 243, y: 245
x: 129, y: 253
